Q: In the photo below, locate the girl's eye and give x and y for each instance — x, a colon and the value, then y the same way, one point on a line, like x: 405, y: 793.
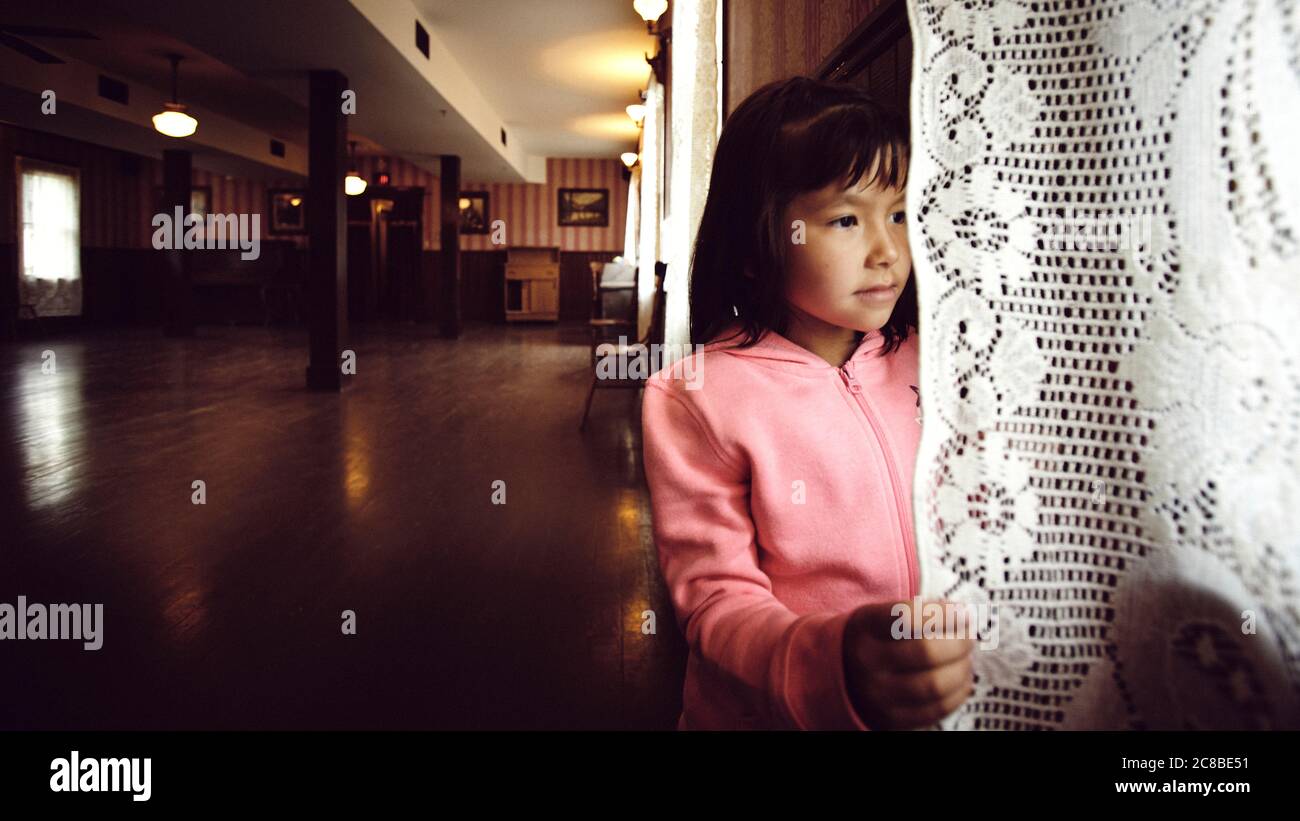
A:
x: 841, y: 224
x: 899, y: 217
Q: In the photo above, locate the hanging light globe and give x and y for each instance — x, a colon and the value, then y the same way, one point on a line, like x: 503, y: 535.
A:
x: 174, y: 122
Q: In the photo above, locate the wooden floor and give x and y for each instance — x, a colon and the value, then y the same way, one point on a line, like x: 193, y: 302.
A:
x: 379, y: 501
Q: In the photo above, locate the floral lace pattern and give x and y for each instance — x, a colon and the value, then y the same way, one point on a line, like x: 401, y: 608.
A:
x: 1106, y: 197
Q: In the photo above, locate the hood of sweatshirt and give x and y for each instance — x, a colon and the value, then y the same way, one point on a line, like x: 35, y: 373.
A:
x: 780, y: 352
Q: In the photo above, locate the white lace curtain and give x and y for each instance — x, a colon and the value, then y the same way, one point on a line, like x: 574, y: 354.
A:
x: 631, y: 229
x: 1106, y: 196
x: 693, y: 134
x: 50, y: 245
x: 650, y: 209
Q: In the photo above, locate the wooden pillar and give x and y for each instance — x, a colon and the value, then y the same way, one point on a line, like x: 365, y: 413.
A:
x: 9, y: 293
x: 178, y: 292
x: 449, y: 259
x: 327, y: 283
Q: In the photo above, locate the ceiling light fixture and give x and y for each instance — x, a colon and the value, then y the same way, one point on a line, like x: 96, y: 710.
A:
x: 353, y: 185
x: 174, y: 122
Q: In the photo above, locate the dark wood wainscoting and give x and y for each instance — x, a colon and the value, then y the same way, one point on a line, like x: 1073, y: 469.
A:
x: 483, y: 283
x: 123, y: 286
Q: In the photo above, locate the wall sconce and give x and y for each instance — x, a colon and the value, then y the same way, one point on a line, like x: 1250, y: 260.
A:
x: 637, y: 112
x: 659, y: 62
x: 651, y: 11
x: 629, y: 158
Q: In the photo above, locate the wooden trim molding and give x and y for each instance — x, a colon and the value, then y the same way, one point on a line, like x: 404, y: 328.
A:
x: 879, y: 32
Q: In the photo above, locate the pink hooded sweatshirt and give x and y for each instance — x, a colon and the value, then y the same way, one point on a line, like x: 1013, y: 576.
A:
x: 781, y: 500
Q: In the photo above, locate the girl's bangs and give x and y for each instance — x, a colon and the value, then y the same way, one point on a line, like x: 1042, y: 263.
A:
x: 845, y: 143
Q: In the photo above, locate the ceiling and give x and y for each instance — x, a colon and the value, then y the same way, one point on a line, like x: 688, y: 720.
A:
x: 561, y: 72
x: 130, y: 51
x: 556, y: 74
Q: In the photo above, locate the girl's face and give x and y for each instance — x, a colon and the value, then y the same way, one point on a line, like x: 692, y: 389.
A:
x: 854, y: 259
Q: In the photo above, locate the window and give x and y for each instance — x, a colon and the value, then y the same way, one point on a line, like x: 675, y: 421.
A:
x: 49, y: 249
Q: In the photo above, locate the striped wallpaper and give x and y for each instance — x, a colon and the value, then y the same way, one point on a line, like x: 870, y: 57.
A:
x: 528, y: 209
x: 118, y: 190
x: 237, y: 195
x: 115, y: 187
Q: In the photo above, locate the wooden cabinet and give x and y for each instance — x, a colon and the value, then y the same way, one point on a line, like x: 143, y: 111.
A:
x: 533, y: 284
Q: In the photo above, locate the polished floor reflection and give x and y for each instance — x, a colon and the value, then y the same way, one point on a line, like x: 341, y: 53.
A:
x: 469, y: 613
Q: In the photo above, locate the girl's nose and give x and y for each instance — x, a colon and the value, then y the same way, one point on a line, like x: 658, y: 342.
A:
x: 883, y: 251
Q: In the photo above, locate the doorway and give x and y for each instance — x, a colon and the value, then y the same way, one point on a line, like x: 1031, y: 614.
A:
x: 385, y: 231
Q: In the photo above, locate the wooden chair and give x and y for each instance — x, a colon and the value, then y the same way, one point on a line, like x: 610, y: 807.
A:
x: 597, y: 304
x: 599, y: 325
x: 654, y: 336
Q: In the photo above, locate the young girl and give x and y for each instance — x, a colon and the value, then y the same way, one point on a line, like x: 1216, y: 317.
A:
x: 780, y: 474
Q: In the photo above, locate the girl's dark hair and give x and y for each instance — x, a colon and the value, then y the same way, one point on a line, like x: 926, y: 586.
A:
x: 786, y: 138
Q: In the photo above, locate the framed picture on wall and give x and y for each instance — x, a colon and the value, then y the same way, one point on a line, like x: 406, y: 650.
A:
x: 200, y: 200
x: 474, y: 215
x: 287, y: 209
x: 583, y: 206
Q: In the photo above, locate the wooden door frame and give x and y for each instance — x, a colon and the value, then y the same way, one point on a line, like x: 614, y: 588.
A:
x: 875, y: 35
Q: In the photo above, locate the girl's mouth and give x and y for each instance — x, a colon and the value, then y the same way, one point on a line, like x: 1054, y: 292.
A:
x: 883, y: 293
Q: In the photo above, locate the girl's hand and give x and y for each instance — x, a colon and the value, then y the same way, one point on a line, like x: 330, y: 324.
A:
x: 905, y: 683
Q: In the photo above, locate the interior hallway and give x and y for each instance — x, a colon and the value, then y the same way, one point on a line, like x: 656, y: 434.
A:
x: 228, y: 615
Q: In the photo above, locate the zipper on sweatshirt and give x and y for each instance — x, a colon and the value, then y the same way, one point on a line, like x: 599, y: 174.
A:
x: 855, y: 387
